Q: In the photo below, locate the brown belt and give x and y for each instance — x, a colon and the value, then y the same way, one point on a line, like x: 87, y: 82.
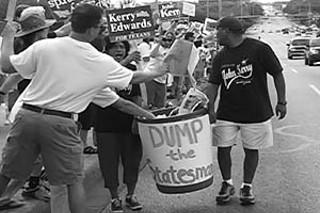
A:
x: 47, y: 111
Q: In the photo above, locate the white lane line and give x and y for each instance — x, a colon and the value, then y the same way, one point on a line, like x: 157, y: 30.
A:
x: 294, y: 70
x: 315, y: 89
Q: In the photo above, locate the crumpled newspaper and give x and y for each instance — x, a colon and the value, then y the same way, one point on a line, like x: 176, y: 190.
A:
x: 194, y: 99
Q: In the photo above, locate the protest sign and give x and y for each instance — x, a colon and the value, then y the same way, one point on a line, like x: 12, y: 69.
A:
x: 209, y: 25
x: 188, y: 9
x: 44, y: 3
x: 7, y: 9
x: 63, y: 8
x: 130, y: 23
x: 182, y: 58
x: 169, y: 11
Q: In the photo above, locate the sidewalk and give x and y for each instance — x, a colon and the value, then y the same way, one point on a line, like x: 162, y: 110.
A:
x: 97, y: 196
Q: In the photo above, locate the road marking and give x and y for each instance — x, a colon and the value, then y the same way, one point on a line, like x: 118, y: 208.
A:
x: 315, y: 89
x: 294, y: 70
x: 304, y: 142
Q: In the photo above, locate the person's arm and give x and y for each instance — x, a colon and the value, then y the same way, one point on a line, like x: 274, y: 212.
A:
x: 7, y: 48
x: 158, y: 69
x: 211, y: 90
x: 134, y: 56
x: 10, y: 83
x: 132, y: 108
x: 280, y: 85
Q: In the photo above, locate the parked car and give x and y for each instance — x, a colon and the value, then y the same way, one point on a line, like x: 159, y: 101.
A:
x: 297, y: 46
x: 312, y: 53
x: 285, y: 30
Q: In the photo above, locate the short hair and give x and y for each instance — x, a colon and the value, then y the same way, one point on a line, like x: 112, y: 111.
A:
x: 232, y: 23
x: 188, y: 35
x: 84, y: 17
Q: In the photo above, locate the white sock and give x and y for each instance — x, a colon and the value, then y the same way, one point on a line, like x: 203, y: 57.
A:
x: 246, y: 184
x: 229, y: 181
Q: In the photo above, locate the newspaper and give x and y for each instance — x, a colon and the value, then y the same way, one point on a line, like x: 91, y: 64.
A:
x: 193, y: 100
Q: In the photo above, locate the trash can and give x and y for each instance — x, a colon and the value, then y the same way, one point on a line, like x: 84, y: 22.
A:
x: 178, y: 150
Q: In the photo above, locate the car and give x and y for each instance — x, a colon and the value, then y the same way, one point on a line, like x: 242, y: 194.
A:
x: 285, y: 30
x: 297, y: 46
x: 309, y: 33
x: 312, y: 53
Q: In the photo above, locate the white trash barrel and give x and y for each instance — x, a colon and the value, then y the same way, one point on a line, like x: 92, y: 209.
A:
x: 179, y: 151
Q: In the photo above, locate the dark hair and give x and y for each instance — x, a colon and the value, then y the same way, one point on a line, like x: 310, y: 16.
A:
x: 110, y: 45
x: 98, y: 43
x: 84, y: 17
x: 197, y: 43
x: 232, y: 23
x: 188, y: 35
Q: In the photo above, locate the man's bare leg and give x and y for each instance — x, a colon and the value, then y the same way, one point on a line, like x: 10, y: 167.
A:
x: 76, y: 198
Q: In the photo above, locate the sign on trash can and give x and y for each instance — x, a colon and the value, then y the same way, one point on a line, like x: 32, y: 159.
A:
x: 179, y: 151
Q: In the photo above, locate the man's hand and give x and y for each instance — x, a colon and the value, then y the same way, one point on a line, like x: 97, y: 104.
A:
x: 134, y: 56
x: 148, y: 115
x: 281, y: 111
x: 212, y: 116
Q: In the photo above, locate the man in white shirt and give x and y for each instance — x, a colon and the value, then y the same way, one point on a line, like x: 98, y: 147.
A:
x: 67, y: 74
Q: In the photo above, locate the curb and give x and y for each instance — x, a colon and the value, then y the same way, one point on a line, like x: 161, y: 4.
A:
x: 92, y: 173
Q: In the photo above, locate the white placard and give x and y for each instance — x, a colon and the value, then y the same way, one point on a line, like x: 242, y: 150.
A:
x: 188, y: 9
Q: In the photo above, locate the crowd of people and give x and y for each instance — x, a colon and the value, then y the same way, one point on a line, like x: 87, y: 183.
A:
x: 80, y: 71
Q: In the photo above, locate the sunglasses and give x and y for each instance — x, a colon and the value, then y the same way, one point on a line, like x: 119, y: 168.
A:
x: 165, y: 39
x: 102, y: 27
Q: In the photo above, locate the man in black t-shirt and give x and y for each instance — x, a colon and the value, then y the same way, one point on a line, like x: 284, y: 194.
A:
x: 240, y: 70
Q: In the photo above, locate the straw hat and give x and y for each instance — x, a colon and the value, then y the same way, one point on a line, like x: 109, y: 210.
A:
x: 33, y: 19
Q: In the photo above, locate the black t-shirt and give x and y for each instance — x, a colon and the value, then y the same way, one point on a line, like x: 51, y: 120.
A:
x: 242, y: 73
x: 110, y: 119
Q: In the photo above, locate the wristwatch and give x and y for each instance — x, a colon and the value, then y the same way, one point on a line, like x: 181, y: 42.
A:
x: 284, y: 103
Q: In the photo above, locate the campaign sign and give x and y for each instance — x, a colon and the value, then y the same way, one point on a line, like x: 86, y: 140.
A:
x: 169, y: 11
x: 130, y: 23
x: 188, y: 9
x: 210, y: 25
x: 178, y: 150
x: 61, y: 4
x: 63, y: 8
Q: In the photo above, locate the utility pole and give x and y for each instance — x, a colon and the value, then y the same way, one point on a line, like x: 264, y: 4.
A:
x: 220, y: 8
x: 207, y: 8
x: 309, y: 13
x: 241, y: 8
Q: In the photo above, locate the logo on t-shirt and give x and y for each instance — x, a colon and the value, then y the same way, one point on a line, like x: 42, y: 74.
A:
x: 237, y: 73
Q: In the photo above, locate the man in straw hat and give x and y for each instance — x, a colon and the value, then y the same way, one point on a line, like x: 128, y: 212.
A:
x: 67, y: 74
x: 240, y: 70
x: 33, y: 27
